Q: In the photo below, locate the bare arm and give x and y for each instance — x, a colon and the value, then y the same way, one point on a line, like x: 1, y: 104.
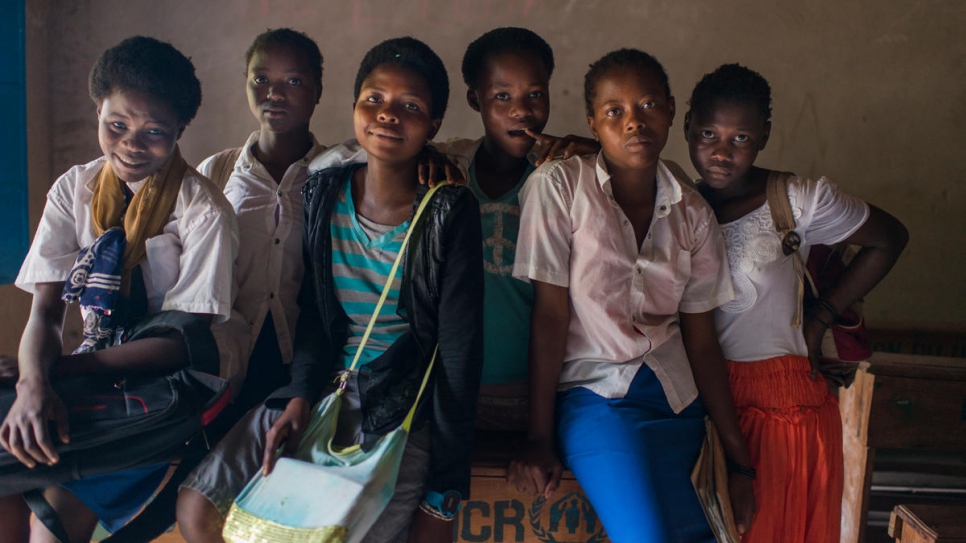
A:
x: 154, y: 354
x: 24, y: 431
x: 882, y: 239
x: 539, y: 470
x: 711, y: 378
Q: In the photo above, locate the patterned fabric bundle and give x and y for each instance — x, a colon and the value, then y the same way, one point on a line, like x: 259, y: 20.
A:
x: 95, y: 282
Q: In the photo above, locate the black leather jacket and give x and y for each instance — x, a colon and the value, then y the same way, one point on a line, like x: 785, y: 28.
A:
x: 442, y: 300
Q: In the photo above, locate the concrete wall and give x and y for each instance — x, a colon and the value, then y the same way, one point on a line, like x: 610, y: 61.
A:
x: 870, y: 93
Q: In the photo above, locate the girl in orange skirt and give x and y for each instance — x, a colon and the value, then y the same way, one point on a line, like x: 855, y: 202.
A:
x: 786, y: 413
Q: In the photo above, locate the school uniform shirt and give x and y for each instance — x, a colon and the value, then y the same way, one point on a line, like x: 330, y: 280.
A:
x: 269, y: 268
x: 757, y: 324
x: 187, y: 267
x: 624, y: 299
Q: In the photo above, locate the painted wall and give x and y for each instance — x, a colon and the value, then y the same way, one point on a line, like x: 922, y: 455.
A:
x: 870, y: 93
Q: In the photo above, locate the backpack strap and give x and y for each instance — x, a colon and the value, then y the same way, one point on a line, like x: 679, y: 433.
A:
x: 46, y: 514
x: 776, y: 193
x: 223, y: 166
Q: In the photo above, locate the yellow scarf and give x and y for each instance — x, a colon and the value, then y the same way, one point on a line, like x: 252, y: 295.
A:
x: 147, y: 213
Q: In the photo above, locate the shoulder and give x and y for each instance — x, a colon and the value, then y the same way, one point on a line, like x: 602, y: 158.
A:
x: 201, y: 195
x: 804, y: 194
x: 208, y: 166
x: 691, y: 201
x: 560, y: 177
x: 337, y: 156
x: 71, y: 186
x: 461, y: 149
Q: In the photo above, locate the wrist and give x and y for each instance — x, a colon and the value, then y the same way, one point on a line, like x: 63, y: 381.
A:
x: 740, y: 469
x: 442, y: 506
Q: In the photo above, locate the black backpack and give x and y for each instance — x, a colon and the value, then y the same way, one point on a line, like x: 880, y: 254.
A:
x: 123, y: 423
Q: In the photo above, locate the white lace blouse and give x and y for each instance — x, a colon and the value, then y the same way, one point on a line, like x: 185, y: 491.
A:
x: 756, y: 325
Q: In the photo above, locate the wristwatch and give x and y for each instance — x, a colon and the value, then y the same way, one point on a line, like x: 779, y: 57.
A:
x: 447, y: 503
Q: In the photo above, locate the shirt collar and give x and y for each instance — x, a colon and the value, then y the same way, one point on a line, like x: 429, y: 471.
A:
x: 668, y: 188
x: 247, y: 159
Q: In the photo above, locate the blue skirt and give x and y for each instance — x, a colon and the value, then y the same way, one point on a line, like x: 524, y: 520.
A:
x: 633, y: 457
x: 116, y: 497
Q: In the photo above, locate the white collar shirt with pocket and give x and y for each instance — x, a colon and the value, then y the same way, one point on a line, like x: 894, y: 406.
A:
x: 624, y: 299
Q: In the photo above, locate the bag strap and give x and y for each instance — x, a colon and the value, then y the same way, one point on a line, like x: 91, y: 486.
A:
x: 223, y: 166
x: 46, y: 514
x: 776, y: 193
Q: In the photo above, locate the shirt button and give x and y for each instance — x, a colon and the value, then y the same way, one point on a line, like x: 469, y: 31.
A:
x: 276, y: 241
x: 625, y: 223
x: 279, y: 193
x: 663, y: 208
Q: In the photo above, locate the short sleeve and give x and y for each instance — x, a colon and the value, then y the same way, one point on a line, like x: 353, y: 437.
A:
x: 709, y: 285
x: 546, y: 228
x: 208, y: 234
x: 55, y: 244
x: 830, y: 215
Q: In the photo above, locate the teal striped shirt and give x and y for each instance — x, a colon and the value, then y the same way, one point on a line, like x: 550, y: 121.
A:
x: 362, y: 256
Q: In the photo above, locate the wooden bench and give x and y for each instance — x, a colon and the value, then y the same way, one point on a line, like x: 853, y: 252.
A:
x: 928, y: 524
x: 915, y: 403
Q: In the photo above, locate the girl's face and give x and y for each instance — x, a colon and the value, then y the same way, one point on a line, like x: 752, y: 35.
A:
x: 512, y: 96
x: 393, y: 114
x: 137, y: 133
x: 724, y: 141
x: 282, y: 91
x: 631, y: 117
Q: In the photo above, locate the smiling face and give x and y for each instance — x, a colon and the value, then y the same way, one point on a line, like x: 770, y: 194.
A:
x: 512, y: 95
x: 137, y: 133
x: 631, y: 117
x: 282, y: 91
x: 724, y: 141
x: 392, y: 115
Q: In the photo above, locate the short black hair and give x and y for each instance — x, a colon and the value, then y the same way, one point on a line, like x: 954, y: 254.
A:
x: 621, y: 58
x: 149, y: 66
x: 418, y: 57
x: 731, y: 83
x: 507, y: 39
x: 293, y: 39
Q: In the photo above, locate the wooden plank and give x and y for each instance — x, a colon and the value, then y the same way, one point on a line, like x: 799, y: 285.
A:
x: 918, y: 366
x: 925, y: 414
x: 854, y: 406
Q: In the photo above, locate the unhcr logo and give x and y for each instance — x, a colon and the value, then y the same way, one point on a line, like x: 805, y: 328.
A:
x: 570, y: 519
x: 567, y: 518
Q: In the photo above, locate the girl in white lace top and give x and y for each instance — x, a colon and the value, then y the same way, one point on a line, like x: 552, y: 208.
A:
x: 788, y: 416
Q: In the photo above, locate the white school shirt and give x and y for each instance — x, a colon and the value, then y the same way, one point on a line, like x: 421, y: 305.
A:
x: 187, y: 267
x: 624, y: 299
x: 269, y: 268
x: 757, y: 324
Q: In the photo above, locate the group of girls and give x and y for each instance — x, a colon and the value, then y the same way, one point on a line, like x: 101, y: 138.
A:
x: 652, y: 302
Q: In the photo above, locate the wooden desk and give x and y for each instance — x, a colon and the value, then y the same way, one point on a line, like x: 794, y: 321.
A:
x: 928, y: 524
x: 900, y: 402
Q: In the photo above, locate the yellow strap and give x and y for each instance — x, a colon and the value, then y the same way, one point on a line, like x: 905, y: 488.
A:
x: 412, y: 410
x: 388, y: 286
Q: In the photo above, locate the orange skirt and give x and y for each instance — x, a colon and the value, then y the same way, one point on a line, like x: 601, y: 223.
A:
x: 794, y: 433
